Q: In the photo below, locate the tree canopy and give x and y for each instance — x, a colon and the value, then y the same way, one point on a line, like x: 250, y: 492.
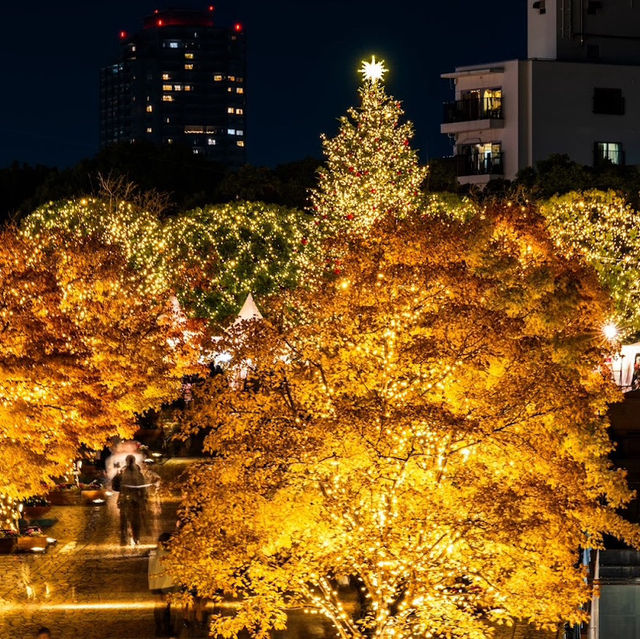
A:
x: 210, y: 257
x: 603, y: 229
x: 83, y: 349
x: 429, y: 424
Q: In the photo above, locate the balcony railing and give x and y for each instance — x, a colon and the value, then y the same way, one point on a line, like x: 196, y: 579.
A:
x: 479, y: 164
x: 466, y: 110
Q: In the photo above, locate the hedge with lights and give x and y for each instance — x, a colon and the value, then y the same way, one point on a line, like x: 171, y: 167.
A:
x: 604, y: 229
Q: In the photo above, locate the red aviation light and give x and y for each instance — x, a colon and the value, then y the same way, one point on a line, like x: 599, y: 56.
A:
x: 238, y: 27
x: 159, y: 22
x: 123, y: 35
x: 211, y: 7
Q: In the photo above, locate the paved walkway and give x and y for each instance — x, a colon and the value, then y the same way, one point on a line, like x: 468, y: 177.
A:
x: 88, y: 587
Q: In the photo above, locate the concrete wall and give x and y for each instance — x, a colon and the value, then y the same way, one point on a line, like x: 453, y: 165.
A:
x: 562, y: 109
x: 542, y: 30
x: 568, y: 30
x: 614, y: 29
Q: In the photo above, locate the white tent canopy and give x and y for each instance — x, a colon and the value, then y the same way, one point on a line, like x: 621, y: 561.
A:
x: 623, y: 365
x: 248, y: 311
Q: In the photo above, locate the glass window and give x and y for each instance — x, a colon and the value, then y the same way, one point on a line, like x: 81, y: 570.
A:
x: 188, y: 56
x: 231, y: 131
x: 149, y: 108
x: 217, y: 78
x: 239, y: 90
x: 230, y: 110
x: 240, y: 142
x: 177, y: 87
x: 239, y: 111
x: 166, y: 76
x: 188, y: 67
x: 167, y: 98
x: 211, y: 141
x: 187, y: 87
x: 149, y: 129
x: 239, y: 132
x: 610, y: 152
x: 194, y: 128
x: 166, y: 87
x: 232, y: 78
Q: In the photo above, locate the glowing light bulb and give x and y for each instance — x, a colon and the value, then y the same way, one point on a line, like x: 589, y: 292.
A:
x: 610, y: 331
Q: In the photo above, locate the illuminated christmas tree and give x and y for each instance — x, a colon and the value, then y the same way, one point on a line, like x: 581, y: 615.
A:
x: 371, y: 169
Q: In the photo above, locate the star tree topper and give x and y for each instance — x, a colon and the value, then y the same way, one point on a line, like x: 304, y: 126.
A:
x: 374, y: 70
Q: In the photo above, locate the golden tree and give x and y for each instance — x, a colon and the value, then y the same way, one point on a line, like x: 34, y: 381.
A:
x: 82, y: 350
x: 429, y: 425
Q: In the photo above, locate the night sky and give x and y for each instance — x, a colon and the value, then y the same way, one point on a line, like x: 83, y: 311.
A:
x: 303, y: 57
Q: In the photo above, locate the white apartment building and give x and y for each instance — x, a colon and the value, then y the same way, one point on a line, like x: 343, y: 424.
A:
x: 577, y: 93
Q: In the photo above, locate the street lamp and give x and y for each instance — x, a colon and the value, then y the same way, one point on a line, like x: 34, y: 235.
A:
x: 610, y: 331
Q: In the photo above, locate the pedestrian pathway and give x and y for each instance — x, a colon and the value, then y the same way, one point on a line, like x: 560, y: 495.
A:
x: 88, y: 587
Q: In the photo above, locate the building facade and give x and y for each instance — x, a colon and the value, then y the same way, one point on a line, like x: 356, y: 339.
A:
x: 180, y: 80
x: 578, y: 93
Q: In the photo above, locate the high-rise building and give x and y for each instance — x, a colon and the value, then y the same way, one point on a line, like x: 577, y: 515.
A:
x: 181, y: 79
x: 577, y: 93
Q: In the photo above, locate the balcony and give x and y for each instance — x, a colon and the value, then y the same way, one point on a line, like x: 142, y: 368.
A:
x: 480, y: 164
x: 468, y: 110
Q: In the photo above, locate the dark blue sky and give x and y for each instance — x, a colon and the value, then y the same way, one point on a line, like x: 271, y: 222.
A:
x: 303, y: 57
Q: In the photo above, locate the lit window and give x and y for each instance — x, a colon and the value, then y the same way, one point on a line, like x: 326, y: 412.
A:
x: 230, y: 110
x: 167, y: 98
x: 240, y: 142
x: 188, y: 56
x: 608, y: 152
x: 173, y: 45
x: 187, y: 87
x: 196, y: 151
x: 166, y: 76
x: 168, y: 120
x: 177, y: 87
x: 149, y: 129
x: 229, y: 89
x: 217, y: 78
x: 239, y: 132
x: 239, y: 90
x: 232, y: 78
x: 193, y: 129
x: 188, y: 67
x: 239, y: 79
x: 166, y: 87
x: 133, y: 47
x: 239, y: 111
x: 149, y: 108
x: 231, y: 131
x: 169, y: 140
x: 211, y: 141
